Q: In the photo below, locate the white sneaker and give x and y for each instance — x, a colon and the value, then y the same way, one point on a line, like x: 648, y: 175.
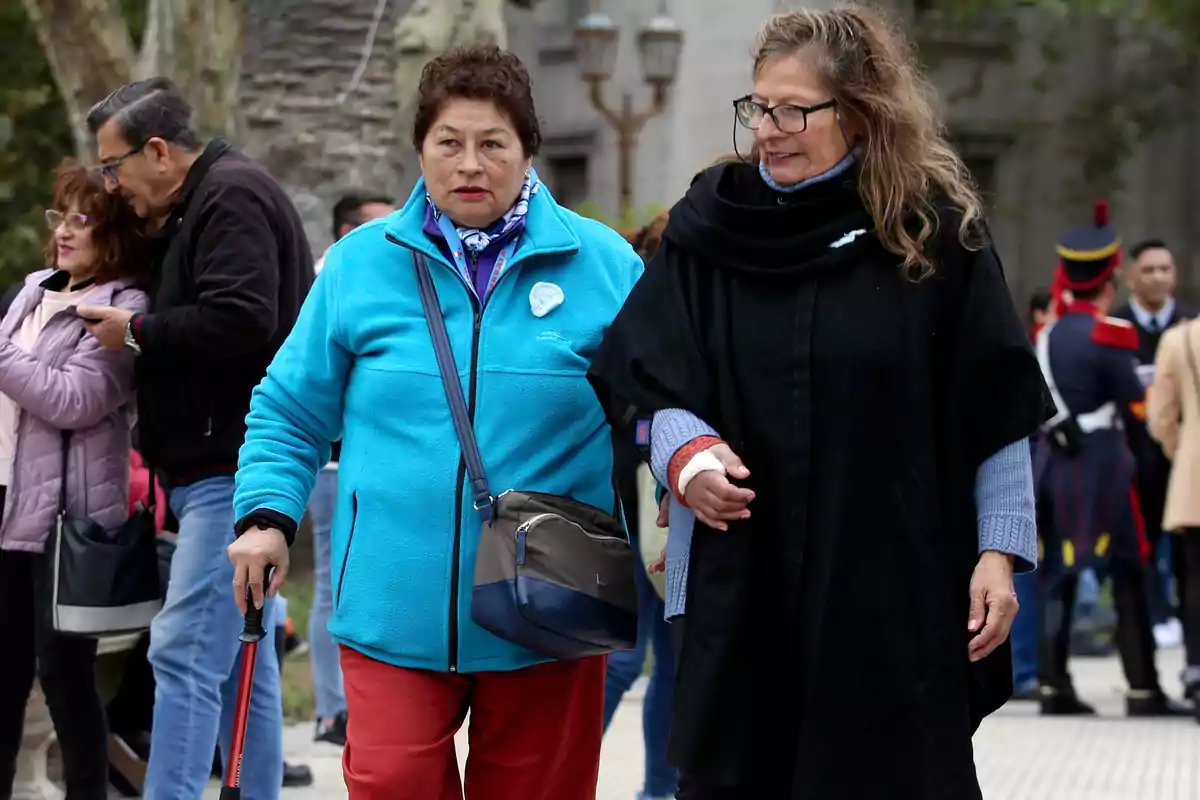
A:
x: 1169, y: 633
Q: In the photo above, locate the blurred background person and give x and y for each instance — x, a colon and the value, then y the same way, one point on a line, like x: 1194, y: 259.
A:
x: 1152, y: 308
x: 1025, y: 626
x: 231, y: 266
x: 1086, y: 474
x: 350, y: 211
x: 1173, y: 415
x: 55, y: 378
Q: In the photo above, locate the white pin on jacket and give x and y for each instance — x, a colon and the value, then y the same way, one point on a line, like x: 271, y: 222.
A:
x: 545, y: 297
x: 849, y: 237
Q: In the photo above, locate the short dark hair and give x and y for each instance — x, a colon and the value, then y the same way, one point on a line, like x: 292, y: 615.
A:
x: 1088, y: 295
x: 646, y: 239
x: 1136, y: 251
x: 345, y: 210
x: 1039, y: 300
x: 119, y: 237
x: 146, y: 109
x: 479, y: 72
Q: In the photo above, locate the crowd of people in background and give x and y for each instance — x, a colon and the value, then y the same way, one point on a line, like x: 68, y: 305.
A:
x: 1154, y: 607
x: 814, y: 353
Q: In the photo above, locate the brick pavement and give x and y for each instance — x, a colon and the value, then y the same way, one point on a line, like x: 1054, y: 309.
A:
x: 1020, y: 756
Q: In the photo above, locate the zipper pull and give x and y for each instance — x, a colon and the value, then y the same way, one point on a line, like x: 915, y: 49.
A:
x: 208, y: 429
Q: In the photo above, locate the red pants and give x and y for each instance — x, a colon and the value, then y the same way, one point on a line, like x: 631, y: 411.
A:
x: 534, y: 733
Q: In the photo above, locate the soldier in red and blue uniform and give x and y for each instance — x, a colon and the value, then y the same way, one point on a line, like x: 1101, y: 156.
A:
x: 1088, y: 508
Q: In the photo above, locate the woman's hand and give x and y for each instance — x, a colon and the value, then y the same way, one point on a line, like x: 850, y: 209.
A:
x: 713, y: 498
x: 251, y: 553
x: 663, y: 521
x: 993, y: 603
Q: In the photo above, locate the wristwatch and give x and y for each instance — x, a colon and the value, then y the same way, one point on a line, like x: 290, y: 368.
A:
x: 130, y: 341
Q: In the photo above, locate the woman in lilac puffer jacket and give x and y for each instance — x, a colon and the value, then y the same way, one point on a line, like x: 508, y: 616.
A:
x: 56, y: 377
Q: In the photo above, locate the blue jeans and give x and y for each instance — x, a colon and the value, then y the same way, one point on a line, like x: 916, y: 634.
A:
x: 323, y: 653
x: 1026, y: 630
x: 1087, y: 596
x: 624, y: 667
x: 195, y: 652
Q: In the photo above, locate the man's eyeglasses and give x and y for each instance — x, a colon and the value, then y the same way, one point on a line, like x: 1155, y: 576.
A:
x: 109, y: 168
x: 73, y: 220
x: 789, y: 118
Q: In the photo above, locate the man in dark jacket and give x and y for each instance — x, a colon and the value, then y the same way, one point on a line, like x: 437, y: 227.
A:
x: 1152, y: 309
x: 231, y: 268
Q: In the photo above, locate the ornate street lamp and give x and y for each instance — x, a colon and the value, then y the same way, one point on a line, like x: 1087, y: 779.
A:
x: 659, y: 44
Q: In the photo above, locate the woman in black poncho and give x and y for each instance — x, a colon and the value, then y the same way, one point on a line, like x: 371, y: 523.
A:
x: 840, y: 388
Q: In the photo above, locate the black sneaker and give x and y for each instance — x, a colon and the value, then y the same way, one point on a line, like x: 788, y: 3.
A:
x: 333, y: 733
x: 296, y: 776
x: 1157, y: 704
x: 294, y: 646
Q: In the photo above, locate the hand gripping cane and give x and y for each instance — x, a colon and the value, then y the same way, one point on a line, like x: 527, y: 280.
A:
x: 252, y: 634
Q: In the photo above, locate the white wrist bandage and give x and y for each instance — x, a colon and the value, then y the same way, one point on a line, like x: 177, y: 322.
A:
x: 704, y: 461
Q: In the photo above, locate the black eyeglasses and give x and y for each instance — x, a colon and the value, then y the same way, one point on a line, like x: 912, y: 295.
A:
x: 788, y: 117
x: 109, y: 168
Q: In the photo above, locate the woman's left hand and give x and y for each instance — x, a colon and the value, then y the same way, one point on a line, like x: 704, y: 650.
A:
x: 993, y: 603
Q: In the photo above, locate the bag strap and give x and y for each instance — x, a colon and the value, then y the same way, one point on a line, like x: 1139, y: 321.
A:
x: 481, y: 494
x: 1191, y: 357
x: 62, y: 484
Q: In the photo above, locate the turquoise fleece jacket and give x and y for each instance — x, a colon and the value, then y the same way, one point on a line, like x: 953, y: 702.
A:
x: 360, y: 365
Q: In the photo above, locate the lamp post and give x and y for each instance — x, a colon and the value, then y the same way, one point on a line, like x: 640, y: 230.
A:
x: 659, y: 44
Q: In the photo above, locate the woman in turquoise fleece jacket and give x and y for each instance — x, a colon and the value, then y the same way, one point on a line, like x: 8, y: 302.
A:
x: 527, y: 289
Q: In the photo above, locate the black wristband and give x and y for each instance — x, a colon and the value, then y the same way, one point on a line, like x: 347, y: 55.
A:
x: 266, y: 518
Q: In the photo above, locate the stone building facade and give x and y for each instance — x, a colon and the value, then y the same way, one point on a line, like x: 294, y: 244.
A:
x: 300, y: 58
x: 1009, y: 106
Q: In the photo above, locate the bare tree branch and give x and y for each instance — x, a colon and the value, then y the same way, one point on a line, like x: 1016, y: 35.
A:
x: 90, y: 52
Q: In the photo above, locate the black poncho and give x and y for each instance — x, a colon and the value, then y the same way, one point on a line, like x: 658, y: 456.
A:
x: 825, y: 642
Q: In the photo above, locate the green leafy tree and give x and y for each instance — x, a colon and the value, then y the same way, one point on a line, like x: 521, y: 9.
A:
x: 35, y: 136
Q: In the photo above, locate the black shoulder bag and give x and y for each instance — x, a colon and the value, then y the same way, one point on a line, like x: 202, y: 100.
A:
x: 102, y: 585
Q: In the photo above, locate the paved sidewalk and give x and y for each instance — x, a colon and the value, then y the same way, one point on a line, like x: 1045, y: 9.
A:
x: 1020, y: 755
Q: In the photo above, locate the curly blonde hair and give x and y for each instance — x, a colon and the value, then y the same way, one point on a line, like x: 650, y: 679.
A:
x: 905, y: 159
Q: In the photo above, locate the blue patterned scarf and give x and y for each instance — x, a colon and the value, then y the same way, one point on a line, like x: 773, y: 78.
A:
x: 476, y: 240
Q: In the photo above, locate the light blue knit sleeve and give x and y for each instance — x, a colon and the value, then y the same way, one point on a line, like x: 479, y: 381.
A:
x: 671, y: 429
x: 1004, y: 503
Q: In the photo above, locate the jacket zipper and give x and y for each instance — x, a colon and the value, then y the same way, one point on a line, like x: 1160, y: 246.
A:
x: 346, y: 559
x: 456, y: 552
x: 478, y: 307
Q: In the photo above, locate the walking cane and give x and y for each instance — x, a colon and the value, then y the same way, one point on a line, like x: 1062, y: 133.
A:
x: 252, y: 633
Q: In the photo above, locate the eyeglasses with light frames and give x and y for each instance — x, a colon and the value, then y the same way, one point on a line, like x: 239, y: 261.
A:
x: 74, y: 221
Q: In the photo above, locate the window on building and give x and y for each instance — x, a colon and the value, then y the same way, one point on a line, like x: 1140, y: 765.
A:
x: 569, y: 179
